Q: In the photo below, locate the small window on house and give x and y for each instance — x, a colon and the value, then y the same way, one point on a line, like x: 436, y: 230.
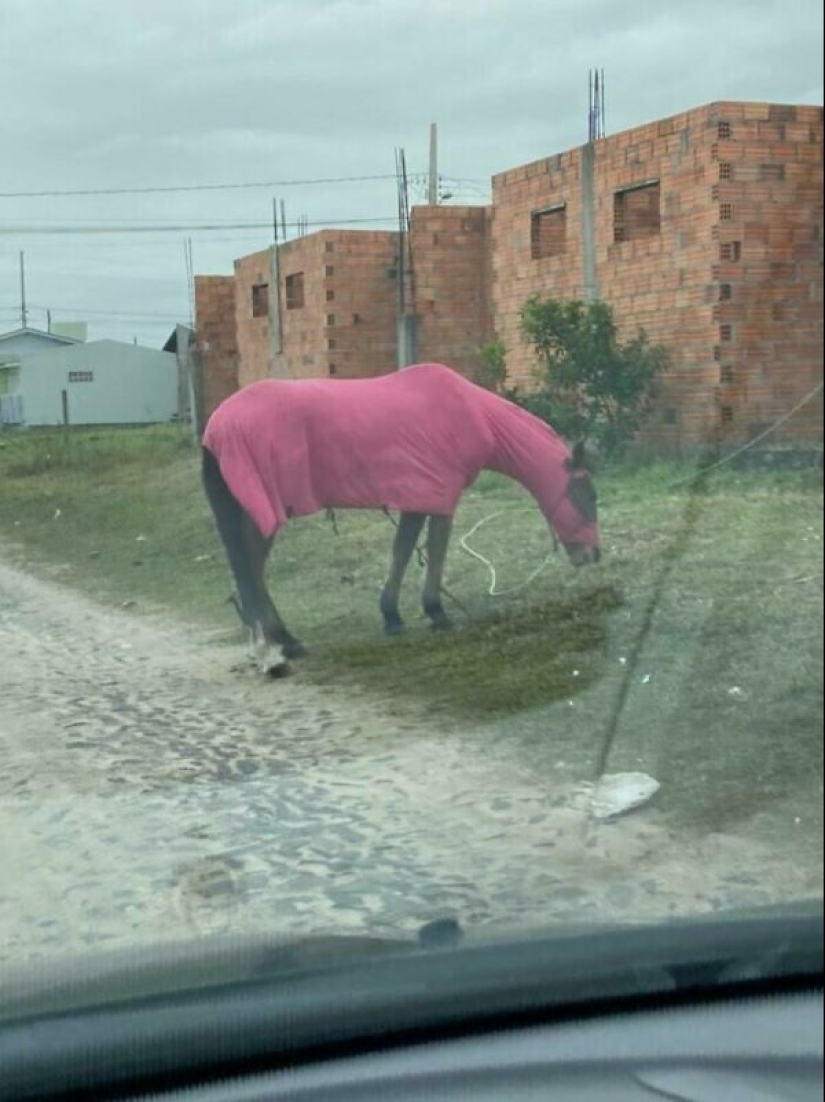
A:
x: 329, y: 247
x: 725, y: 292
x: 333, y: 369
x: 726, y: 414
x: 329, y: 271
x: 637, y: 212
x: 330, y: 319
x: 725, y: 170
x: 294, y: 285
x: 331, y: 345
x: 81, y: 376
x: 726, y: 212
x: 330, y: 296
x: 548, y: 232
x: 730, y: 251
x: 724, y: 131
x: 260, y: 300
x: 725, y: 332
x: 727, y: 375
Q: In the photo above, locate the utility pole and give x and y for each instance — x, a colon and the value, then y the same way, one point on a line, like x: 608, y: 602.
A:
x: 432, y: 190
x: 24, y: 314
x: 276, y: 338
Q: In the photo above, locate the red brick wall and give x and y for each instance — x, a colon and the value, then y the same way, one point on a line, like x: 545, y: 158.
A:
x: 359, y: 302
x: 302, y: 327
x: 216, y: 345
x: 669, y: 282
x: 768, y: 313
x: 450, y: 250
x: 252, y: 332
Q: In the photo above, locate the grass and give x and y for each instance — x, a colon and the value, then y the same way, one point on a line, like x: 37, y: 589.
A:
x: 725, y: 706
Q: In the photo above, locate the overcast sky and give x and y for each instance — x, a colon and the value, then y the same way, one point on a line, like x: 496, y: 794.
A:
x: 117, y: 94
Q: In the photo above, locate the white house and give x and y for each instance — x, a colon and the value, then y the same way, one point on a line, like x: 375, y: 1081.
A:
x: 95, y: 382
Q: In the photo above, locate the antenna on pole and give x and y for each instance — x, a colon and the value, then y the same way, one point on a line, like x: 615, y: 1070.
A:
x: 595, y: 104
x: 24, y: 314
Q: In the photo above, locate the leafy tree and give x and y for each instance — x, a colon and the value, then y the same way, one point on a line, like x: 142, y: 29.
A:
x: 590, y: 385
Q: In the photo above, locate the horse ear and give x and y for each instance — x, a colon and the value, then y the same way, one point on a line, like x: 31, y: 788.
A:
x: 578, y: 460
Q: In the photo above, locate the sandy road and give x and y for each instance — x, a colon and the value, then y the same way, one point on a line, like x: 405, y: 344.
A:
x: 149, y: 791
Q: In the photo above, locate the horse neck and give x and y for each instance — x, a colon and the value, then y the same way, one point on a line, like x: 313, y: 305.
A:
x: 529, y: 451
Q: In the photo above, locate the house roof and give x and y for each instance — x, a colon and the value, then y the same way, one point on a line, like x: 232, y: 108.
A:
x: 24, y: 330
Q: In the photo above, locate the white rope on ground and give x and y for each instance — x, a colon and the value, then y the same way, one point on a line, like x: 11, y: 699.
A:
x: 493, y: 590
x: 751, y: 443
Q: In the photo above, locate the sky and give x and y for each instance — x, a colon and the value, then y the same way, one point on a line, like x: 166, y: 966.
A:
x: 136, y: 98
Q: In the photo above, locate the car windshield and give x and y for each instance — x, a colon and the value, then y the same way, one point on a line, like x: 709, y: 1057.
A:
x: 411, y: 466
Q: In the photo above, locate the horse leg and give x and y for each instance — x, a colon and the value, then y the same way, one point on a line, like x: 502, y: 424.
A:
x: 230, y: 520
x: 406, y: 537
x: 281, y: 644
x: 438, y: 540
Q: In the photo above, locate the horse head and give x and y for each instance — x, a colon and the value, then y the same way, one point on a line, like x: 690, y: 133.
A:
x: 578, y: 519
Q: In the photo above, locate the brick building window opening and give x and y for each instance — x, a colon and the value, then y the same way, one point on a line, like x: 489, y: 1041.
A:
x: 725, y: 292
x: 725, y: 332
x: 330, y: 296
x: 727, y: 375
x: 726, y: 212
x: 81, y: 376
x: 726, y: 414
x: 260, y: 300
x: 637, y: 212
x: 329, y: 271
x: 724, y: 131
x: 330, y: 319
x: 725, y: 170
x: 329, y: 247
x: 771, y: 173
x: 295, y: 291
x: 548, y: 232
x: 731, y: 251
x: 333, y: 369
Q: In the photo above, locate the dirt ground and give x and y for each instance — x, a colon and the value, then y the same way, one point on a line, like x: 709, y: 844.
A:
x: 153, y: 786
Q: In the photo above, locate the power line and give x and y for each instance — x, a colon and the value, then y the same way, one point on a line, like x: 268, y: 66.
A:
x: 242, y: 186
x: 66, y: 193
x: 180, y: 227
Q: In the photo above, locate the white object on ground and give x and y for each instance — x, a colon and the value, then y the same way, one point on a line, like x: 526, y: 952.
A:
x: 618, y: 793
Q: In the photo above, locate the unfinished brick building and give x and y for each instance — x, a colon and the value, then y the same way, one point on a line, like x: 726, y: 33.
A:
x: 706, y: 229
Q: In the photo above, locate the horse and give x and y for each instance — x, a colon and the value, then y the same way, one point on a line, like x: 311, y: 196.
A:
x: 409, y: 442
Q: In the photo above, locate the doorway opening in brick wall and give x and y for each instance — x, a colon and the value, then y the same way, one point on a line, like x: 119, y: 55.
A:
x: 637, y: 211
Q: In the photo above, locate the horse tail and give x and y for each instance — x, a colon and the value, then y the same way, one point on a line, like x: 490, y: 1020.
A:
x: 229, y: 518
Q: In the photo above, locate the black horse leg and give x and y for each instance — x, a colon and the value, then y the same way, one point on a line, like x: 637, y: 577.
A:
x: 438, y: 540
x: 406, y: 537
x: 229, y: 519
x: 274, y: 630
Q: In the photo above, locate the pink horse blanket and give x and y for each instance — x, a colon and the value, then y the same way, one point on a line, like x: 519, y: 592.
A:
x: 412, y: 441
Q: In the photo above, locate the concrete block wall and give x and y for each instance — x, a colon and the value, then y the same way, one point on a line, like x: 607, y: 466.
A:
x: 216, y: 346
x: 450, y: 250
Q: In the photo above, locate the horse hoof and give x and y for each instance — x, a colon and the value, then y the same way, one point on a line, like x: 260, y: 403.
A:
x: 394, y: 627
x: 274, y: 662
x: 294, y: 649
